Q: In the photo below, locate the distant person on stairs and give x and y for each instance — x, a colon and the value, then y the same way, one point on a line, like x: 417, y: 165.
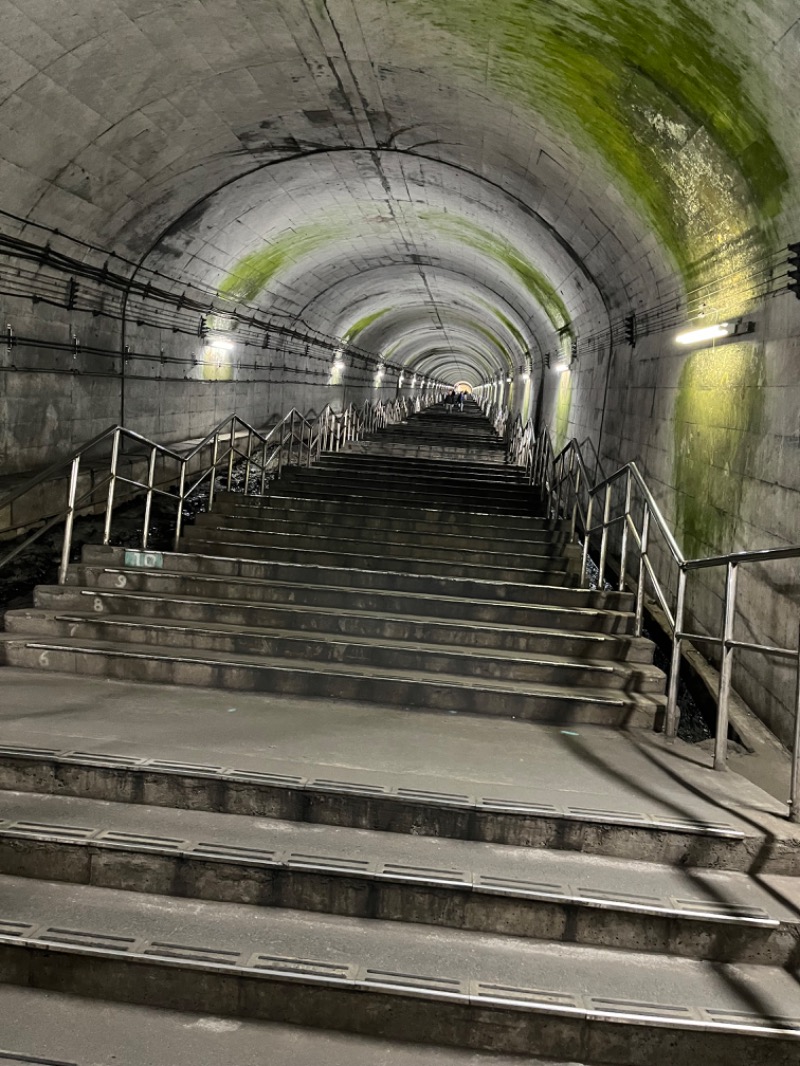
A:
x: 461, y: 401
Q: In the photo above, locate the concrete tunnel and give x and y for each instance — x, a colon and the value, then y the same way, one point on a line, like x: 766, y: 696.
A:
x: 211, y: 207
x: 534, y: 198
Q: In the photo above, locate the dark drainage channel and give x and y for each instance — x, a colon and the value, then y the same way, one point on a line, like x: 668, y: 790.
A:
x: 697, y: 716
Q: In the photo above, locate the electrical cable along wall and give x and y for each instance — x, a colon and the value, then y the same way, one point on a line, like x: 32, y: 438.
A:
x: 89, y: 339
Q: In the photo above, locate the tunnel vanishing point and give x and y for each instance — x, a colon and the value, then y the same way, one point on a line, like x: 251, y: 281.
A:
x: 585, y: 214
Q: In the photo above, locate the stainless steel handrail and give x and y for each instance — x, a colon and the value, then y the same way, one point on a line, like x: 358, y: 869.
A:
x: 294, y: 440
x: 570, y: 493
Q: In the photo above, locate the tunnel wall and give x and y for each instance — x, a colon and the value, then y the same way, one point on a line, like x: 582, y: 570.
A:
x: 54, y: 396
x: 716, y: 432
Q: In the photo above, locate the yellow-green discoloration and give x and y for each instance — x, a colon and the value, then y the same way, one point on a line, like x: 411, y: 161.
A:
x: 358, y: 327
x: 563, y: 408
x: 505, y: 253
x: 663, y: 92
x: 717, y: 422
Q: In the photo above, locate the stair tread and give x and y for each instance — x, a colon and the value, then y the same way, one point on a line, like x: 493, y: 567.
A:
x: 609, y: 697
x: 450, y: 583
x: 598, y: 638
x: 532, y: 873
x: 453, y: 650
x: 46, y: 1028
x: 436, y: 957
x: 492, y: 571
x: 627, y: 776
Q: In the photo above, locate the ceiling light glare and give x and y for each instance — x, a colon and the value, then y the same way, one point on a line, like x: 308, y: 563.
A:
x: 707, y: 333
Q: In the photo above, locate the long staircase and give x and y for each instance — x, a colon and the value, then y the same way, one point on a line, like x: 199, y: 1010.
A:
x: 372, y: 762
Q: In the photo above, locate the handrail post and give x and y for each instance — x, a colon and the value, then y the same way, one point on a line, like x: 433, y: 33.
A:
x: 576, y: 486
x: 586, y: 540
x: 148, y: 503
x: 263, y: 467
x: 642, y: 572
x: 290, y: 457
x: 112, y: 484
x: 231, y: 446
x: 70, y: 520
x: 280, y: 447
x: 726, y: 668
x: 181, y: 499
x: 248, y: 463
x: 794, y: 787
x: 623, y: 552
x: 601, y: 579
x: 213, y: 478
x: 673, y: 714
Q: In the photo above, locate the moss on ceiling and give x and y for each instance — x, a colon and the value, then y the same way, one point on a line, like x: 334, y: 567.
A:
x: 503, y: 252
x: 361, y: 324
x: 665, y: 94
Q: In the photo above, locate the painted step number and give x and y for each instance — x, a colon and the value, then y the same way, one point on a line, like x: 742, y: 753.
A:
x: 145, y: 560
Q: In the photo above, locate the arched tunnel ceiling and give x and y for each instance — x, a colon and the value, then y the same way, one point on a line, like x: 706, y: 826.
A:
x: 533, y: 162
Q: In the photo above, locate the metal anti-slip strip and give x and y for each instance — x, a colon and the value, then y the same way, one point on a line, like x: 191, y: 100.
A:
x: 487, y: 805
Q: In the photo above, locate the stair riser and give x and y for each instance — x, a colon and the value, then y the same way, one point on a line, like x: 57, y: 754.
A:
x: 179, y: 641
x: 336, y: 623
x: 373, y: 531
x: 472, y: 495
x: 460, y: 819
x: 342, y: 598
x: 361, y: 896
x: 355, y: 1006
x: 360, y: 494
x: 425, y: 518
x: 300, y: 537
x: 549, y: 571
x: 427, y: 695
x: 260, y: 574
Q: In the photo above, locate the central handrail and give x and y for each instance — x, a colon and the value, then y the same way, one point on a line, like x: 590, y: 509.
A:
x: 296, y: 439
x: 565, y: 483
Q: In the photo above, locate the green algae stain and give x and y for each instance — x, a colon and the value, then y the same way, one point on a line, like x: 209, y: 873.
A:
x: 255, y: 271
x: 659, y: 91
x: 358, y: 327
x: 563, y: 409
x: 502, y: 251
x: 718, y: 418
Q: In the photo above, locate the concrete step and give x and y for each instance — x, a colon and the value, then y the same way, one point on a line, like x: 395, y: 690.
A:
x: 487, y: 888
x: 380, y: 624
x: 371, y: 463
x: 383, y: 686
x: 379, y: 527
x: 444, y: 662
x: 304, y: 534
x: 46, y: 1028
x: 248, y: 591
x: 683, y: 835
x: 194, y: 567
x: 543, y: 570
x: 469, y: 491
x: 428, y: 516
x: 339, y: 489
x: 395, y: 980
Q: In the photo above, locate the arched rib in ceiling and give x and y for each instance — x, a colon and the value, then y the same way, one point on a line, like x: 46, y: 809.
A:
x: 336, y: 221
x: 645, y: 138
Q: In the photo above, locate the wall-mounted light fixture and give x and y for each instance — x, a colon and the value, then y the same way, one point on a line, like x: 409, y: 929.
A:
x: 219, y: 344
x: 721, y: 331
x: 338, y: 359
